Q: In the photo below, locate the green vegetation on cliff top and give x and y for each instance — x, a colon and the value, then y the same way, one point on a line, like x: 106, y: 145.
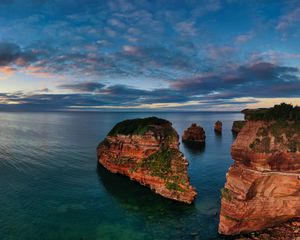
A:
x: 282, y: 130
x: 137, y: 126
x: 282, y: 111
x: 238, y: 124
x: 284, y: 133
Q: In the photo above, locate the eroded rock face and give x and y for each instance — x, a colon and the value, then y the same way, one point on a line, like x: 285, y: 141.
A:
x: 147, y: 151
x: 237, y: 126
x: 194, y: 134
x: 218, y: 126
x: 263, y: 184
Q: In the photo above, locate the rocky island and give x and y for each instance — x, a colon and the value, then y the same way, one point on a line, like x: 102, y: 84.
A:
x: 194, y: 135
x: 147, y: 151
x: 218, y: 127
x: 263, y: 185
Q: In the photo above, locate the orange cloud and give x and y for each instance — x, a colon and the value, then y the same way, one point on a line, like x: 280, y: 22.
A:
x: 20, y: 61
x: 6, y: 70
x: 37, y: 71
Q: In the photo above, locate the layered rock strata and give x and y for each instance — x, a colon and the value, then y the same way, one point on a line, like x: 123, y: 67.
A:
x: 147, y: 151
x: 263, y: 185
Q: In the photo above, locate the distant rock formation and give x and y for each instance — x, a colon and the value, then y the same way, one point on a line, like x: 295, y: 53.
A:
x: 147, y: 151
x: 263, y: 185
x: 194, y: 135
x: 218, y: 126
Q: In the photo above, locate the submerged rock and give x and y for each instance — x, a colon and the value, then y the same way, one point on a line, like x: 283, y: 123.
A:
x: 218, y: 127
x: 194, y: 135
x: 262, y: 186
x: 147, y: 151
x: 237, y: 126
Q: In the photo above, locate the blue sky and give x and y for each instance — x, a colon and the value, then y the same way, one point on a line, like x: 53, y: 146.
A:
x: 205, y: 55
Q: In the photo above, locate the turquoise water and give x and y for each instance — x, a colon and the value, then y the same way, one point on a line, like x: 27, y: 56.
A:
x: 51, y: 187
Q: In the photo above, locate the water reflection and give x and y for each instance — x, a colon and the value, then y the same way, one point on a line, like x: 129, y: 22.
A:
x: 194, y: 148
x: 218, y: 138
x: 139, y: 199
x: 218, y: 133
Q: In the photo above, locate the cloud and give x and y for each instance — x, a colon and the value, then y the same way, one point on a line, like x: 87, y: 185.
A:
x: 219, y: 53
x: 83, y: 87
x: 56, y: 102
x: 116, y: 23
x: 6, y: 70
x: 244, y: 38
x: 186, y: 28
x: 124, y: 42
x: 113, y: 39
x: 9, y: 52
x: 274, y: 56
x: 253, y: 80
x: 261, y: 79
x: 44, y: 60
x: 42, y: 90
x: 207, y: 6
x: 130, y: 49
x: 110, y: 32
x: 289, y: 20
x: 13, y: 57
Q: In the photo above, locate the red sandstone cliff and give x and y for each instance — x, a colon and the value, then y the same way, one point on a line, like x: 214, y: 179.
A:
x: 263, y: 184
x: 148, y: 154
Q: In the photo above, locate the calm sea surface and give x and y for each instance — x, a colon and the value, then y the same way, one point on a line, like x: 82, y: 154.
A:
x: 51, y: 187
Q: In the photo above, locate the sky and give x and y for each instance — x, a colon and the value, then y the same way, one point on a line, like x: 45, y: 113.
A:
x: 166, y: 55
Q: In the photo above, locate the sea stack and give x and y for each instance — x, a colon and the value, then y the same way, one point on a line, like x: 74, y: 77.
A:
x: 194, y: 135
x: 263, y: 185
x: 237, y: 126
x: 218, y: 126
x: 147, y: 151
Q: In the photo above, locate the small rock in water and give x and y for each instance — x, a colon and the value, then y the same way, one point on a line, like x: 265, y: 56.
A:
x: 194, y: 135
x: 218, y: 126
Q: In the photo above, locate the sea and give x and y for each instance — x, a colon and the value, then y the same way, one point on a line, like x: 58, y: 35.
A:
x: 51, y: 186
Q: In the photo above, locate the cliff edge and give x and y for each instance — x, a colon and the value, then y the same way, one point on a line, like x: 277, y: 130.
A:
x: 263, y: 185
